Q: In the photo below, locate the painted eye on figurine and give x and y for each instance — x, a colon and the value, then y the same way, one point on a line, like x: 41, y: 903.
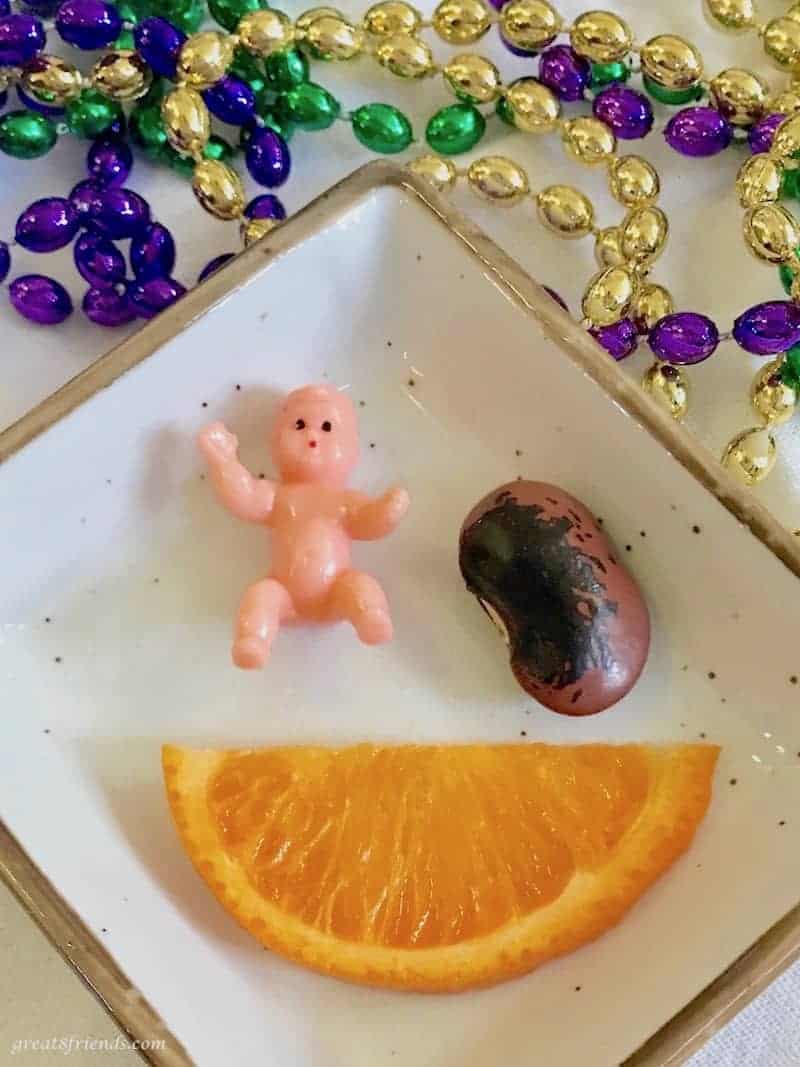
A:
x: 326, y: 426
x: 300, y: 424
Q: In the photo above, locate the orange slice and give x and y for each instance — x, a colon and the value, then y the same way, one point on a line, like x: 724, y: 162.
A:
x: 434, y: 867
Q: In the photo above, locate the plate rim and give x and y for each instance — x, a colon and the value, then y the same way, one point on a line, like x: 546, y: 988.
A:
x: 775, y: 950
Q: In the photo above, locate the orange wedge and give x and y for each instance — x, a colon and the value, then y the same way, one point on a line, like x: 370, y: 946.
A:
x: 434, y: 867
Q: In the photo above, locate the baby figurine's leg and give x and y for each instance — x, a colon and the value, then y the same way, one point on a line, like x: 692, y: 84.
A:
x: 358, y: 598
x: 263, y: 608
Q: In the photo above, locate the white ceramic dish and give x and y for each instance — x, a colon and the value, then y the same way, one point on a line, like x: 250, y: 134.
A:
x: 466, y: 375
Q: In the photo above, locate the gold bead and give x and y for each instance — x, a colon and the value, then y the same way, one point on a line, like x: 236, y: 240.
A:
x: 474, y: 77
x: 218, y: 188
x: 588, y: 140
x: 186, y: 120
x: 666, y: 385
x: 759, y: 180
x: 608, y: 296
x: 785, y: 103
x: 608, y: 247
x: 651, y: 303
x: 498, y: 179
x: 565, y: 210
x: 735, y: 16
x: 405, y: 56
x: 774, y: 400
x: 529, y: 24
x: 633, y: 181
x: 266, y: 31
x: 644, y: 234
x: 771, y: 233
x: 740, y: 95
x: 332, y: 38
x: 122, y: 75
x: 304, y: 21
x: 601, y: 36
x: 390, y: 17
x: 252, y: 230
x: 204, y: 58
x: 461, y: 21
x: 51, y: 80
x: 781, y: 39
x: 438, y: 172
x: 751, y: 455
x: 533, y: 107
x: 671, y: 61
x: 786, y: 140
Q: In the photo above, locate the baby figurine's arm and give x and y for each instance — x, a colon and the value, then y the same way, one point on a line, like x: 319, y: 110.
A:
x: 243, y: 495
x: 370, y: 520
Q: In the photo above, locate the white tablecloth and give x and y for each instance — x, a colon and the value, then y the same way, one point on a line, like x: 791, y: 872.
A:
x: 706, y: 266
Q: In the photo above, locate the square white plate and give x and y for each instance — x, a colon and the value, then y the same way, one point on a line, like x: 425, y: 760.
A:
x: 121, y: 574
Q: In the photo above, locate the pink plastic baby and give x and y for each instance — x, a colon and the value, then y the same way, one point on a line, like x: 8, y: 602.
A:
x: 313, y: 518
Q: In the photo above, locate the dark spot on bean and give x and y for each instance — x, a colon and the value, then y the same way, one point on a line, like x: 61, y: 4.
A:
x: 517, y: 451
x: 238, y: 388
x: 643, y: 533
x: 103, y: 930
x: 702, y: 736
x: 202, y: 477
x: 47, y: 618
x: 388, y: 344
x: 782, y: 822
x: 696, y: 529
x: 362, y: 403
x: 793, y: 679
x: 46, y: 730
x: 523, y: 733
x: 629, y: 548
x: 156, y: 581
x: 411, y: 382
x: 685, y: 667
x: 734, y: 781
x: 599, y: 521
x: 204, y: 404
x: 712, y: 675
x: 372, y: 444
x: 577, y: 989
x: 419, y: 258
x: 673, y: 507
x: 57, y: 659
x: 108, y: 481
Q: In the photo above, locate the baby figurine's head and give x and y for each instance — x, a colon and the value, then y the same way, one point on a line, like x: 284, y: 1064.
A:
x: 315, y: 436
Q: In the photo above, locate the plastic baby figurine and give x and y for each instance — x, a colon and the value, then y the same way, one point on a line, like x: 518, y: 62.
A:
x: 313, y: 517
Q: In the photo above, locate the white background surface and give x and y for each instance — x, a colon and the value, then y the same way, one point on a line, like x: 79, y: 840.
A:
x: 706, y: 266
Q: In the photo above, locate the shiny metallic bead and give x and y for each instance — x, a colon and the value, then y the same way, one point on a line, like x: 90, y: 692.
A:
x: 771, y: 233
x: 531, y: 106
x: 772, y: 398
x: 671, y: 61
x: 390, y: 17
x: 650, y: 304
x: 473, y: 78
x: 740, y: 95
x: 735, y: 16
x: 565, y: 210
x: 759, y: 180
x: 498, y: 179
x: 218, y: 188
x: 252, y: 230
x: 601, y: 36
x: 785, y: 103
x: 668, y: 387
x: 781, y: 38
x: 608, y: 247
x: 786, y: 140
x: 122, y: 75
x: 751, y: 455
x: 608, y: 296
x: 529, y: 24
x: 186, y: 120
x: 633, y: 181
x: 461, y: 21
x: 304, y: 21
x: 204, y: 58
x: 332, y: 38
x: 588, y: 140
x: 439, y: 172
x: 644, y: 235
x: 266, y: 32
x: 405, y: 56
x: 51, y: 80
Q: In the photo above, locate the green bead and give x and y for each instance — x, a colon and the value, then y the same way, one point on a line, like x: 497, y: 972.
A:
x: 127, y: 11
x: 382, y: 128
x: 218, y: 148
x: 790, y: 184
x: 228, y: 12
x: 26, y: 134
x: 187, y: 15
x: 192, y: 17
x: 248, y: 69
x: 91, y: 113
x: 308, y: 106
x: 789, y: 371
x: 125, y: 41
x: 503, y: 109
x: 182, y: 165
x: 672, y: 96
x: 147, y: 130
x: 285, y: 70
x: 455, y: 129
x: 608, y: 74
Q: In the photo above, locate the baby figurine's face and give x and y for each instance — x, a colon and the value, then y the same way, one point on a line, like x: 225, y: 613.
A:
x: 315, y: 437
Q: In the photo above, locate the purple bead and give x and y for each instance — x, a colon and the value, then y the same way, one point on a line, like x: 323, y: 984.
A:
x: 158, y: 42
x: 152, y: 296
x: 45, y: 9
x: 36, y: 105
x: 267, y: 157
x: 98, y: 261
x: 83, y: 198
x: 214, y: 265
x: 685, y: 337
x: 231, y: 100
x: 565, y: 72
x: 153, y: 253
x: 619, y: 339
x: 5, y: 261
x: 88, y: 24
x: 46, y: 225
x: 627, y: 112
x: 109, y: 161
x: 759, y: 136
x: 119, y: 213
x: 107, y: 307
x: 40, y: 299
x: 265, y: 206
x: 768, y: 328
x: 698, y: 131
x: 5, y: 8
x: 497, y: 4
x: 558, y: 299
x: 21, y: 37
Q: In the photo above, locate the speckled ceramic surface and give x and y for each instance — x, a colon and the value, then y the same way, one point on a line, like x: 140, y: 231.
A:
x: 122, y: 574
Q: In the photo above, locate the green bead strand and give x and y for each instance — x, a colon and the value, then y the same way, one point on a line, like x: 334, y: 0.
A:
x: 228, y: 12
x: 455, y: 129
x: 26, y: 134
x: 672, y: 96
x: 609, y: 74
x: 285, y: 70
x: 308, y: 106
x: 382, y: 128
x: 91, y: 113
x: 789, y: 371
